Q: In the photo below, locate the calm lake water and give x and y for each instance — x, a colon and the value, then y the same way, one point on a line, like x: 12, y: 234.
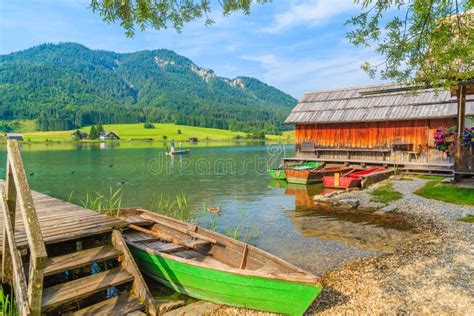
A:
x: 272, y: 215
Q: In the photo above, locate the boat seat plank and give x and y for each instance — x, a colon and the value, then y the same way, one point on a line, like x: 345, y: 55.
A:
x: 166, y: 247
x: 196, y: 256
x: 138, y: 220
x: 81, y: 288
x: 79, y: 259
x: 118, y: 305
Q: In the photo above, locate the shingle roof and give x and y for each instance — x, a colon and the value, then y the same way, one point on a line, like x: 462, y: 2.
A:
x: 375, y: 103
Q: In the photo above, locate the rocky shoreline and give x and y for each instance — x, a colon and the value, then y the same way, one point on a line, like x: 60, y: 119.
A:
x: 432, y: 274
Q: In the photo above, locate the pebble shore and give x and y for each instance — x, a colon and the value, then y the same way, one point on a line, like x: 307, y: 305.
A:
x: 432, y: 274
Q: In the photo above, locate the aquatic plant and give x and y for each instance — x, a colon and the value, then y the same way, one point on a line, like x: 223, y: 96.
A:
x: 7, y: 304
x: 110, y: 203
x: 177, y: 207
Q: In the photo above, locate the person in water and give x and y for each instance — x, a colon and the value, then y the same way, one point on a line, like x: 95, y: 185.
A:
x: 180, y: 146
x: 172, y: 145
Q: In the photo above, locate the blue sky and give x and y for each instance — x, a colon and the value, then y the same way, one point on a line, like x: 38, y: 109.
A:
x: 295, y: 45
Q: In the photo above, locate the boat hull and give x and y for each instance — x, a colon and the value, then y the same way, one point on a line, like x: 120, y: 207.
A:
x: 344, y: 182
x: 178, y: 152
x: 302, y: 176
x: 277, y: 174
x: 351, y: 180
x: 266, y: 294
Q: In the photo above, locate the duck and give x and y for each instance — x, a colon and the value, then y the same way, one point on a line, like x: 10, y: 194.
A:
x: 215, y: 210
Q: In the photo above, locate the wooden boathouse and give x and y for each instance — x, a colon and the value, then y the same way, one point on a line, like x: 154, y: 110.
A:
x: 389, y: 125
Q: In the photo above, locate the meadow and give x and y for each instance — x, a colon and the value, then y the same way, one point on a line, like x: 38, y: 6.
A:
x: 160, y: 132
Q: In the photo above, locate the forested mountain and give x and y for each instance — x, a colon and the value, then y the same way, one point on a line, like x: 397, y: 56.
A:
x: 65, y: 86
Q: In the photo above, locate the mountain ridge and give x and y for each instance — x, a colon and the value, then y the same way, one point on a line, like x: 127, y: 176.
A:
x: 68, y: 85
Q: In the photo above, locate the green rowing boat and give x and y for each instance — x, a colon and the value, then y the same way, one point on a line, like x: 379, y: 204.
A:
x: 305, y: 165
x: 209, y: 266
x: 277, y: 174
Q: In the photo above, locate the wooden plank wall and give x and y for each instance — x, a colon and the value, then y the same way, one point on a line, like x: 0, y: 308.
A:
x: 375, y: 135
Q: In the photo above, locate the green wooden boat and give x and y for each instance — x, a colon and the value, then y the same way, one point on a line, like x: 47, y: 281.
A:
x: 305, y: 165
x: 209, y: 266
x: 277, y: 174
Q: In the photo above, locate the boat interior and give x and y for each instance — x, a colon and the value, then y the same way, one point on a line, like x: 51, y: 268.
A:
x: 171, y: 238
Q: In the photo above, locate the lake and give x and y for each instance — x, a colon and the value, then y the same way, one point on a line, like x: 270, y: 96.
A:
x: 272, y: 215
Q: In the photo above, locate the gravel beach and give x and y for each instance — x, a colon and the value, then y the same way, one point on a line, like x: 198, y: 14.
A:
x: 432, y: 274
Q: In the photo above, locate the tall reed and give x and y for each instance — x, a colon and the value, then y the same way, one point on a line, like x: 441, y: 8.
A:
x: 178, y: 207
x: 109, y: 203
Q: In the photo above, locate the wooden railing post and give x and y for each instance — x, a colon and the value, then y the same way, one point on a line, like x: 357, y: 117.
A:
x: 18, y: 272
x: 11, y: 202
x: 17, y: 186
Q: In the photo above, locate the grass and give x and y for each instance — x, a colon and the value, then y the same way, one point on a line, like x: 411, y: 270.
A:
x: 385, y: 194
x: 109, y: 203
x: 428, y: 177
x: 467, y: 219
x: 23, y: 125
x: 436, y: 190
x: 178, y: 207
x: 139, y: 132
x: 7, y: 305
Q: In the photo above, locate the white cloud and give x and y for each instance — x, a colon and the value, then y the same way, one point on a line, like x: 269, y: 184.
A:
x: 309, y: 12
x: 305, y: 75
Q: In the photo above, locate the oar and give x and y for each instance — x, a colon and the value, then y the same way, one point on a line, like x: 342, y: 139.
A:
x: 167, y: 237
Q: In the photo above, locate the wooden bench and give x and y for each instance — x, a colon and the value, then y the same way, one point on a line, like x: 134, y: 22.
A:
x: 348, y: 151
x: 307, y: 147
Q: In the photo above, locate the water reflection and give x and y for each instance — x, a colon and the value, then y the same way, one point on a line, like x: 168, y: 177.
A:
x: 358, y: 229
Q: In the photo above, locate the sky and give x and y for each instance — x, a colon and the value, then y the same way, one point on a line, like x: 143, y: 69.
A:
x: 297, y: 46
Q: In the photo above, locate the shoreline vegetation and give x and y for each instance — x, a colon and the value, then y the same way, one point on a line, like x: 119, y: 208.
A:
x: 178, y: 207
x: 159, y: 132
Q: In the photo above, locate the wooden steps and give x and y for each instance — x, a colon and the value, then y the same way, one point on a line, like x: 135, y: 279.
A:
x: 88, y: 292
x: 81, y: 288
x: 79, y: 259
x: 118, y: 305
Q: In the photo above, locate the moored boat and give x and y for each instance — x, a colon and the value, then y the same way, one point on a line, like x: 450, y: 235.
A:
x: 206, y: 265
x: 351, y: 179
x: 280, y: 173
x: 179, y: 152
x: 277, y: 174
x: 308, y: 176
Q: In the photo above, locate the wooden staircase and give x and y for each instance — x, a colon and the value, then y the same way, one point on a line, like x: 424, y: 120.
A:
x: 102, y: 279
x: 92, y: 274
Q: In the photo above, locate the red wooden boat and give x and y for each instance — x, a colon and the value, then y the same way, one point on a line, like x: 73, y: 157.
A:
x: 307, y: 176
x: 351, y: 179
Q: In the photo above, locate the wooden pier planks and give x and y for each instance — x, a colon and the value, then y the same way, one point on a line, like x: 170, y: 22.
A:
x: 60, y: 221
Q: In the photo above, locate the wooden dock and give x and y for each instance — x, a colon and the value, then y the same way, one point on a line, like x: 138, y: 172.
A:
x: 61, y: 258
x: 61, y: 221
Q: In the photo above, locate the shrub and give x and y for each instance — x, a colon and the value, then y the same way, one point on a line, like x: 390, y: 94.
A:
x: 149, y: 125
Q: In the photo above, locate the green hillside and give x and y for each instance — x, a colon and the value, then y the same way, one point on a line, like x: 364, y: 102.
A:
x: 67, y: 85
